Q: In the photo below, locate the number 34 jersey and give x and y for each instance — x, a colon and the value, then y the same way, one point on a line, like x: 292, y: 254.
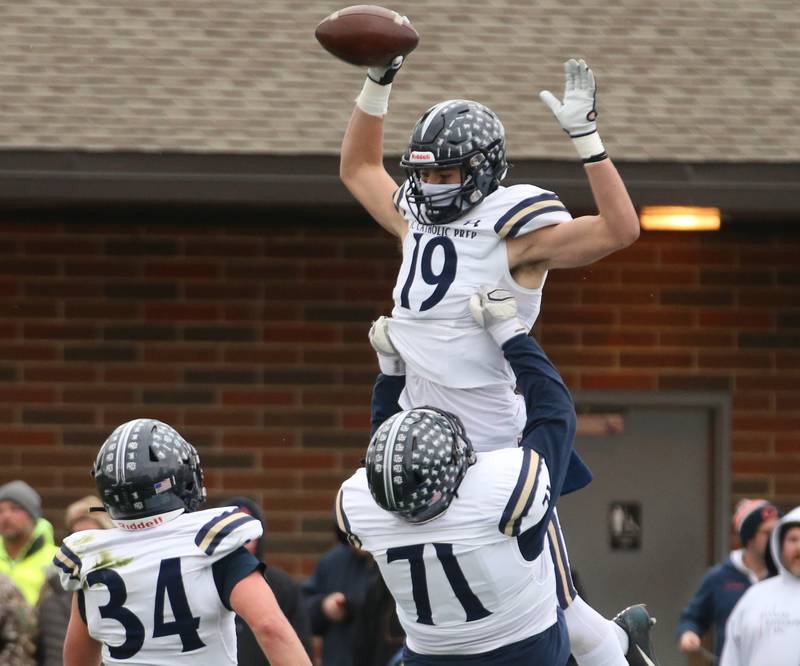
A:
x: 152, y: 590
x: 463, y: 582
x: 444, y: 265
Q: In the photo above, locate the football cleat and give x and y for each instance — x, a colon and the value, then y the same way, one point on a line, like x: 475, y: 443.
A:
x: 637, y: 623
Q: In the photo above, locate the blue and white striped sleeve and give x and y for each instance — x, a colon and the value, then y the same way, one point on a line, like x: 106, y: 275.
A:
x: 532, y: 213
x: 69, y: 567
x: 530, y: 498
x: 226, y: 532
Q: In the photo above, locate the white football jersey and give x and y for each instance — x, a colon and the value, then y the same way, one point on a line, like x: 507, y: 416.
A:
x: 444, y: 265
x: 461, y: 582
x: 149, y: 591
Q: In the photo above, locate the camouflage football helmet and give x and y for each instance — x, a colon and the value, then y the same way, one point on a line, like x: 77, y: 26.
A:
x: 458, y: 134
x: 145, y: 468
x: 416, y: 462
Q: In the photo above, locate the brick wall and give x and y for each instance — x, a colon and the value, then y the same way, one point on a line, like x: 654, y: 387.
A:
x: 251, y: 340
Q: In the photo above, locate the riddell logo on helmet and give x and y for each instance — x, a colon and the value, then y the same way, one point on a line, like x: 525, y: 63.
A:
x: 421, y: 156
x: 140, y: 525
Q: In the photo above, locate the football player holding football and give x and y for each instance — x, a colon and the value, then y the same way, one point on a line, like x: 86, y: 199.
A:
x: 462, y: 230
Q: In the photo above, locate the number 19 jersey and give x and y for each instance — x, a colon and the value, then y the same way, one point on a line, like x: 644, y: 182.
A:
x: 150, y: 589
x: 444, y: 265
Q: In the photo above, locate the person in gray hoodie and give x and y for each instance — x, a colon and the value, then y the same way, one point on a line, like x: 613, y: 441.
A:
x: 764, y: 627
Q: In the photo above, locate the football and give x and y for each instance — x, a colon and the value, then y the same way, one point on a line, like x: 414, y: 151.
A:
x: 367, y: 35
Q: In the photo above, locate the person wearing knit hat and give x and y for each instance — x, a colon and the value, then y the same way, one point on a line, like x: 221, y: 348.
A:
x: 26, y: 539
x: 724, y: 584
x: 750, y: 516
x: 23, y: 496
x: 79, y: 515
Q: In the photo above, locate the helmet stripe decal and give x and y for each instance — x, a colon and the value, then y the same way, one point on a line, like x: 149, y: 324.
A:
x: 433, y: 114
x: 122, y: 444
x: 388, y: 462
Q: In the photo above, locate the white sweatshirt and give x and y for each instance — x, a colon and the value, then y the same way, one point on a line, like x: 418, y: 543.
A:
x: 764, y: 627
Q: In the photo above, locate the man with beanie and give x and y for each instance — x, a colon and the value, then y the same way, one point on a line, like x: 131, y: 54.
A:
x: 764, y: 628
x: 724, y: 584
x: 26, y: 539
x: 286, y: 590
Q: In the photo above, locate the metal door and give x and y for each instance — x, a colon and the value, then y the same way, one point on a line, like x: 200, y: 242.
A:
x: 644, y: 530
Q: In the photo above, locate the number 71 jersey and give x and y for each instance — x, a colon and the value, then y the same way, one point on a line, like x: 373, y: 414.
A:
x: 149, y: 591
x: 444, y: 265
x: 473, y: 579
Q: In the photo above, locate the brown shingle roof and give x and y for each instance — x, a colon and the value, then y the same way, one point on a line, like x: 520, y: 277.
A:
x: 679, y: 80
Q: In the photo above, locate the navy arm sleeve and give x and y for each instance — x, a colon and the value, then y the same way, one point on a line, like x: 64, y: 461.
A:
x: 385, y: 399
x: 698, y: 614
x: 231, y: 569
x: 550, y: 426
x: 578, y: 474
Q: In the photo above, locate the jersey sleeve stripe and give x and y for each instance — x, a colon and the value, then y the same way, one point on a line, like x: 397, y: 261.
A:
x: 520, y: 224
x: 564, y: 587
x: 223, y: 529
x: 215, y: 530
x: 531, y: 495
x: 530, y: 205
x: 67, y: 561
x: 524, y: 491
x: 203, y: 531
x: 341, y: 516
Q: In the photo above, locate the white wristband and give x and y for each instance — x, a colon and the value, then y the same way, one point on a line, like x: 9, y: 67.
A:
x: 374, y: 98
x: 590, y: 147
x: 391, y: 365
x: 503, y: 331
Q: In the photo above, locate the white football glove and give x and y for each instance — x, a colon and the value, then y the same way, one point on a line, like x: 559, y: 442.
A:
x: 577, y: 114
x: 389, y: 360
x: 496, y: 311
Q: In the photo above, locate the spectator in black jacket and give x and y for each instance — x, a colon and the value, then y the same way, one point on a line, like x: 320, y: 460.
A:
x: 377, y: 633
x: 285, y: 589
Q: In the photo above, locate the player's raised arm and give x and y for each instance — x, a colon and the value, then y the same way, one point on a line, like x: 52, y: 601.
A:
x: 254, y: 602
x: 361, y: 164
x: 592, y: 237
